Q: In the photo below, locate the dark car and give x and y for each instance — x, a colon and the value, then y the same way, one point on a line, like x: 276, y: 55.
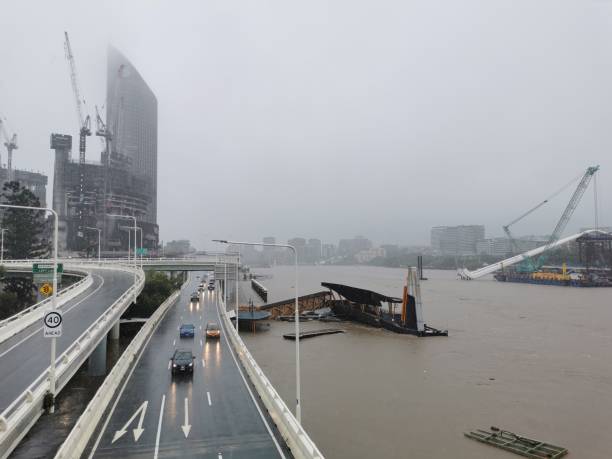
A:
x: 212, y: 330
x: 182, y: 361
x: 211, y: 286
x: 187, y: 331
x: 195, y: 297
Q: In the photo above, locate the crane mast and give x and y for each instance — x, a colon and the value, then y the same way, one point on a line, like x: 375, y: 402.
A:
x: 11, y: 144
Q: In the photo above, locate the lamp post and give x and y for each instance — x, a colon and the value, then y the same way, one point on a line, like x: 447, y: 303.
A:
x: 2, y: 249
x: 99, y: 238
x: 298, y: 405
x: 135, y: 267
x: 236, y: 285
x: 54, y: 297
x: 139, y: 229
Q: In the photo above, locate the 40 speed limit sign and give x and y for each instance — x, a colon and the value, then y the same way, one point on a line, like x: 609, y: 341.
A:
x: 53, y: 324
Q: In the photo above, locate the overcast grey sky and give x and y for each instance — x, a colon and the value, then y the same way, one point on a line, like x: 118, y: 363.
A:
x: 334, y: 118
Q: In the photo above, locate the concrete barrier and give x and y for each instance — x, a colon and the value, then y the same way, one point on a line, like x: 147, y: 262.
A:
x: 302, y: 447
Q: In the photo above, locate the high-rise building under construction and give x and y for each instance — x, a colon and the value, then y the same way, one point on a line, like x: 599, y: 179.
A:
x: 124, y: 182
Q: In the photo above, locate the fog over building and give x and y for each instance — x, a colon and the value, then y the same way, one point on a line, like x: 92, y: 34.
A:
x: 124, y: 181
x: 457, y: 240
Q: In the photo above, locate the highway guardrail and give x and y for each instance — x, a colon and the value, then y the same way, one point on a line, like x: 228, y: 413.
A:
x: 10, y: 326
x: 79, y: 436
x: 17, y: 419
x: 298, y: 440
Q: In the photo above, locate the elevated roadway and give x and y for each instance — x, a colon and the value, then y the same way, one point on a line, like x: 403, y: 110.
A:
x: 213, y: 414
x: 25, y: 356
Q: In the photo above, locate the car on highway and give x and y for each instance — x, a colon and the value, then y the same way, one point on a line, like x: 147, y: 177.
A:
x: 182, y: 361
x: 195, y: 297
x: 187, y: 331
x: 212, y: 330
x: 211, y: 286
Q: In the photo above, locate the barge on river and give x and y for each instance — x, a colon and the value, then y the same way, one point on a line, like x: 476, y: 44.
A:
x: 377, y: 310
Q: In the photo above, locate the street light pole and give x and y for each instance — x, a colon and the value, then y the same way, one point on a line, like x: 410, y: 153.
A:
x: 135, y: 266
x: 3, y: 230
x: 236, y: 284
x: 99, y: 238
x: 298, y: 404
x: 54, y: 297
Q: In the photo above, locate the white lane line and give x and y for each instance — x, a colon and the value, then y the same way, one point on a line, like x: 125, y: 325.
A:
x: 40, y: 328
x: 159, y: 425
x: 174, y: 343
x: 208, y: 397
x: 169, y: 363
x: 201, y: 343
x: 203, y: 363
x: 220, y: 456
x: 229, y: 346
x: 129, y: 376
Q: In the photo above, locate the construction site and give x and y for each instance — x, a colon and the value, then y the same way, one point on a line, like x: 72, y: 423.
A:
x: 583, y: 259
x: 111, y: 204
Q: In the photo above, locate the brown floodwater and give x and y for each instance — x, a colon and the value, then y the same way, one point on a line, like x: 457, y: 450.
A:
x: 535, y: 360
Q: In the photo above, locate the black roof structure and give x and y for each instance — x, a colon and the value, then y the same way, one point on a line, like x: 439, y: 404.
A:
x: 360, y: 295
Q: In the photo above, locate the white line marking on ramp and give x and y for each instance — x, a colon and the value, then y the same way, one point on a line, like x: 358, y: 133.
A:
x: 142, y: 409
x: 159, y: 426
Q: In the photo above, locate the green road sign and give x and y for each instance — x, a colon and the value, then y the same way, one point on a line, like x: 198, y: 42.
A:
x: 142, y: 251
x: 42, y: 273
x: 44, y: 268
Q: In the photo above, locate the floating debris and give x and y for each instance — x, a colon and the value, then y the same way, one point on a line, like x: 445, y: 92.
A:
x: 313, y: 333
x: 522, y: 446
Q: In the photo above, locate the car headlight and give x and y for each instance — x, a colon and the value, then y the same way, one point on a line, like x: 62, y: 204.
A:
x: 191, y: 364
x: 174, y: 365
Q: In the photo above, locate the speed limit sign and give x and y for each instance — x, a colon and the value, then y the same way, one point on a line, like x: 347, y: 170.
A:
x: 53, y: 324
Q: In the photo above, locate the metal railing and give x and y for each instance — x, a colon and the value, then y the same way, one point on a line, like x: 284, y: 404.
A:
x: 82, y: 431
x: 302, y: 447
x: 22, y: 413
x: 14, y: 324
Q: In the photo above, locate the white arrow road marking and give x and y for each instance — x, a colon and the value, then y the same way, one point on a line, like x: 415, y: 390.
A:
x: 186, y: 427
x: 208, y: 396
x: 159, y: 425
x: 138, y: 430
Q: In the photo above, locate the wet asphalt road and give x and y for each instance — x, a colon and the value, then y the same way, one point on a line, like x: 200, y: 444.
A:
x: 26, y: 355
x: 211, y: 414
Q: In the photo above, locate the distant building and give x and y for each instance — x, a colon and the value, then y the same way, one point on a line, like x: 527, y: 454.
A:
x: 300, y: 247
x: 365, y: 256
x: 33, y: 181
x: 350, y: 247
x: 328, y: 251
x: 456, y: 240
x: 177, y: 248
x: 314, y: 249
x: 124, y: 182
x: 496, y: 247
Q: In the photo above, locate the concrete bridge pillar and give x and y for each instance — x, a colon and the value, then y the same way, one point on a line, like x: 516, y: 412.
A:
x: 96, y: 366
x: 114, y: 332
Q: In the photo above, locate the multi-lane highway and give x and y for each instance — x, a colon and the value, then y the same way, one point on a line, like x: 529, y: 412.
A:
x: 26, y: 355
x: 212, y: 414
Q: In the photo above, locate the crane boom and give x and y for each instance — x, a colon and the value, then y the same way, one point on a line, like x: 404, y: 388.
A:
x: 573, y: 203
x: 84, y: 122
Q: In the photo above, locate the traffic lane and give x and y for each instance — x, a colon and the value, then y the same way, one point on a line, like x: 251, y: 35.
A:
x: 26, y: 361
x: 197, y: 420
x: 212, y: 413
x: 17, y: 338
x: 150, y: 382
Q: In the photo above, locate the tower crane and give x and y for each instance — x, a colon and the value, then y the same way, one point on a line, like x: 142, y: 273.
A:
x: 565, y: 217
x: 84, y: 128
x: 11, y: 144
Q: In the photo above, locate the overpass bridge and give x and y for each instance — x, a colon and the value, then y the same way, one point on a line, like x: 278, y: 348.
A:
x: 91, y: 312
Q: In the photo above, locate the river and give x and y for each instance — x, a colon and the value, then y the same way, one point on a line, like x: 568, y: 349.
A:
x: 531, y: 359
